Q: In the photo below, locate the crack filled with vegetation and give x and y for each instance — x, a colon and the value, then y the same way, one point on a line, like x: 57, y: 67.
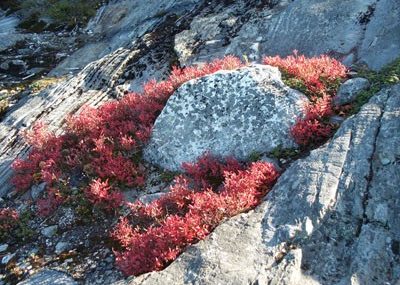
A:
x: 387, y: 76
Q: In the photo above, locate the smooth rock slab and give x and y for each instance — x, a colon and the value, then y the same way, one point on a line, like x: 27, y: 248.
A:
x: 233, y: 112
x: 49, y: 277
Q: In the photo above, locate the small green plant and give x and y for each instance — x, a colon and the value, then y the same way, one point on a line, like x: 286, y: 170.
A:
x: 389, y: 75
x: 15, y: 226
x: 23, y: 232
x: 43, y: 83
x: 254, y: 156
x: 283, y: 153
x: 168, y: 176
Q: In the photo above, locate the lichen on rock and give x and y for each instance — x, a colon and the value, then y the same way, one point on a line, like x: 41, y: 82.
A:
x: 230, y: 113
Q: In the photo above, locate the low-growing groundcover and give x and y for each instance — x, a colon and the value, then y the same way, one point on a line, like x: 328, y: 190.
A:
x: 99, y: 154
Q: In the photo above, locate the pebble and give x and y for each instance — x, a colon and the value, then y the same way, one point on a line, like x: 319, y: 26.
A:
x: 37, y: 190
x: 50, y: 231
x: 6, y: 259
x: 62, y: 246
x: 385, y: 161
x: 3, y: 247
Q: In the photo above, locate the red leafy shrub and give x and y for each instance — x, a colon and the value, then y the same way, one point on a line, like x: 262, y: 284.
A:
x: 208, y: 171
x: 8, y: 219
x: 153, y: 235
x: 102, y: 195
x: 104, y: 143
x: 314, y: 128
x: 50, y: 203
x: 321, y: 77
x: 42, y: 162
x: 318, y: 74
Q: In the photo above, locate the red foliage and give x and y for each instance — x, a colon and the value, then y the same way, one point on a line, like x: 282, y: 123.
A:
x: 314, y: 128
x: 208, y: 171
x: 102, y: 195
x: 321, y: 76
x: 102, y: 142
x: 42, y: 162
x: 46, y: 206
x: 317, y: 73
x: 8, y: 220
x: 153, y: 235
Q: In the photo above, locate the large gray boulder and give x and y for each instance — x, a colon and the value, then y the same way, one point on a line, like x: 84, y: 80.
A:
x: 332, y: 218
x: 234, y: 112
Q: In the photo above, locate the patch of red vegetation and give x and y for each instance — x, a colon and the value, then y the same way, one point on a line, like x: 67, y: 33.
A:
x: 8, y: 220
x: 153, y: 235
x: 103, y: 143
x: 321, y: 77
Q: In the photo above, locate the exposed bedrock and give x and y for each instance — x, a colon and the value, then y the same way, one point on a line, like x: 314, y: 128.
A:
x: 332, y: 218
x: 354, y: 31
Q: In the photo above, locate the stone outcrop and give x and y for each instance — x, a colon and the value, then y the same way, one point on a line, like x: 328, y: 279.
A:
x: 332, y: 218
x: 353, y: 31
x: 229, y: 113
x: 8, y: 34
x: 120, y: 24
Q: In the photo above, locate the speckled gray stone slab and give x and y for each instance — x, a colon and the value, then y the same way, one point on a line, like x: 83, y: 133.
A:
x: 228, y: 113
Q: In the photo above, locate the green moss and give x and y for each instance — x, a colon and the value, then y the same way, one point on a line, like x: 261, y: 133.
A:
x: 63, y: 13
x: 389, y: 75
x: 71, y: 13
x: 254, y: 156
x: 40, y: 84
x: 168, y: 176
x: 284, y: 153
x: 294, y: 83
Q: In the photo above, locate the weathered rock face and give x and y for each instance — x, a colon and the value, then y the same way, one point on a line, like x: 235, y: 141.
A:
x: 354, y: 31
x: 8, y: 35
x: 228, y: 113
x: 49, y: 277
x: 121, y: 23
x: 332, y: 218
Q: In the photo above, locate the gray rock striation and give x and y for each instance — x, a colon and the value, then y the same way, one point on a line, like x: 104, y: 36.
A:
x: 354, y: 31
x: 49, y: 277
